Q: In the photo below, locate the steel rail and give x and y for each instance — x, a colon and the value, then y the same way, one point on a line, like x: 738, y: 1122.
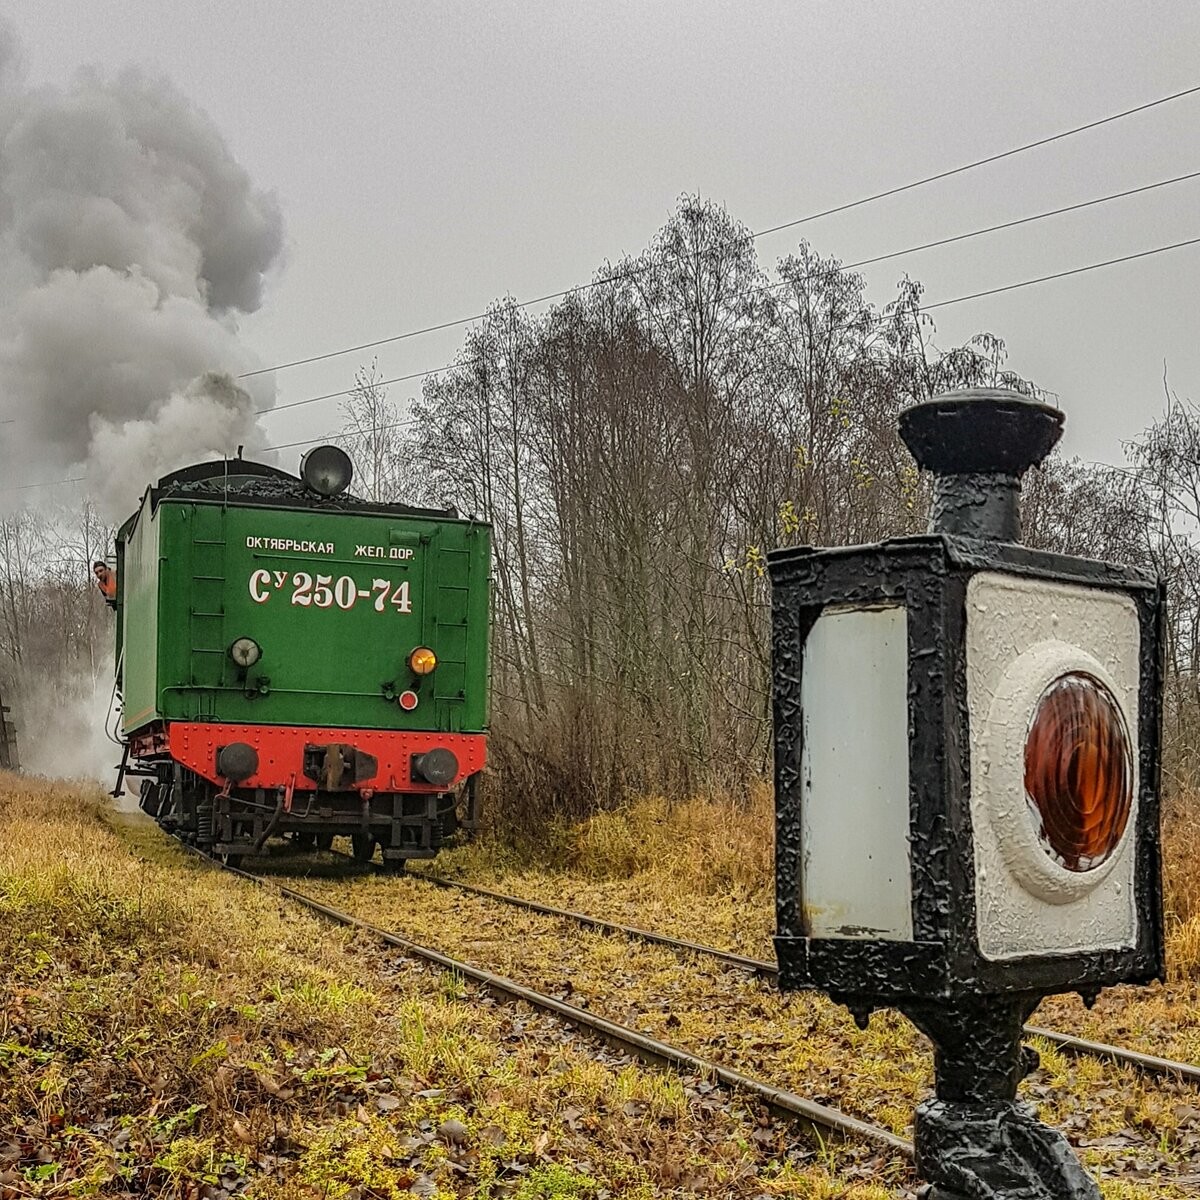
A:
x: 1148, y: 1064
x: 756, y: 966
x: 643, y: 1047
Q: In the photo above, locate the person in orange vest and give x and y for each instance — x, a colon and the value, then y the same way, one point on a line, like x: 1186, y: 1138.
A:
x: 106, y: 581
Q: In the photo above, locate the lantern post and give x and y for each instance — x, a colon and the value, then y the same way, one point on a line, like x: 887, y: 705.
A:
x: 967, y: 786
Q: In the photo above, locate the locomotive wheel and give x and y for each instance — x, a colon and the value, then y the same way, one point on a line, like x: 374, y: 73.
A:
x: 305, y: 840
x: 363, y: 846
x: 324, y: 841
x: 394, y: 866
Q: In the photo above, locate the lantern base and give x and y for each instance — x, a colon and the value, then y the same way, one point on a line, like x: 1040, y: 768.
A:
x: 995, y: 1152
x: 977, y: 1141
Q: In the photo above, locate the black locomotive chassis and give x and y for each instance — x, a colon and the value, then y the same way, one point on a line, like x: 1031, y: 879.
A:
x: 928, y: 575
x: 239, y: 822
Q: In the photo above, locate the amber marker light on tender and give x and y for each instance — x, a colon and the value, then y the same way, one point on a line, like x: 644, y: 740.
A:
x: 422, y: 660
x: 1078, y: 772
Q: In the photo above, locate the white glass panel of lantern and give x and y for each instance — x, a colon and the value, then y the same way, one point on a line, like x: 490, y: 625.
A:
x: 856, y: 870
x: 1022, y: 636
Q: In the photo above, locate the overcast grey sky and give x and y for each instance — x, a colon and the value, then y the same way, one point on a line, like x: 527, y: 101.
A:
x: 430, y: 157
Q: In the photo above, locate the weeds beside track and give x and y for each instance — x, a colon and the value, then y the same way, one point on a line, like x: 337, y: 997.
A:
x: 1148, y: 1063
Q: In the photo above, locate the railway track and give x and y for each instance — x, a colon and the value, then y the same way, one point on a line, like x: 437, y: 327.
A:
x: 779, y: 1101
x: 1148, y: 1064
x: 567, y: 988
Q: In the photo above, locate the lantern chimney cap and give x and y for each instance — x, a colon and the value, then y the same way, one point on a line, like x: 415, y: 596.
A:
x: 974, y: 431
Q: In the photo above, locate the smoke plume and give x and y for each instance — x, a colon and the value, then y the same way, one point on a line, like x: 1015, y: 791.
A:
x: 131, y: 241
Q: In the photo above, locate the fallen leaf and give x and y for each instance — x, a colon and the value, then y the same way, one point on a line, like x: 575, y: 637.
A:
x: 493, y: 1135
x: 454, y: 1131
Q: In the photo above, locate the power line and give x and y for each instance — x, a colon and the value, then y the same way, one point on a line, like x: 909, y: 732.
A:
x: 414, y: 333
x: 846, y: 207
x: 865, y: 262
x: 1024, y: 283
x: 24, y: 487
x: 995, y: 291
x: 1053, y: 212
x: 981, y: 162
x: 347, y: 391
x: 325, y: 437
x: 845, y: 267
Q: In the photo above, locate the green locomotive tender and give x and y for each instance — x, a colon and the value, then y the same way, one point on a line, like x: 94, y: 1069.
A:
x: 293, y: 660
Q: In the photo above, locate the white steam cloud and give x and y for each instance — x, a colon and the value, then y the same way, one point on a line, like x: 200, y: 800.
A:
x: 130, y: 242
x: 211, y: 414
x: 63, y: 727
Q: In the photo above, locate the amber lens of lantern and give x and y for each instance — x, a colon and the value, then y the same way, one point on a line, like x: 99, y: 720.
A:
x: 1078, y: 772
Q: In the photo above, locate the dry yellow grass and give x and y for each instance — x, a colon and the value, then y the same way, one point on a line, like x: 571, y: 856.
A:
x: 712, y: 847
x: 1181, y: 887
x: 165, y: 1030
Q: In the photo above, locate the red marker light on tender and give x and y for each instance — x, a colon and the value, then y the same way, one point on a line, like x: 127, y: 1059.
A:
x: 407, y: 700
x: 1078, y: 772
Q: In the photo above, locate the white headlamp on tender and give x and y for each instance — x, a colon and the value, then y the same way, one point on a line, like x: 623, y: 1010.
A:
x: 245, y: 652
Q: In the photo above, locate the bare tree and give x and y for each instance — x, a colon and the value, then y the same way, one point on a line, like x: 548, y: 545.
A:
x: 373, y: 436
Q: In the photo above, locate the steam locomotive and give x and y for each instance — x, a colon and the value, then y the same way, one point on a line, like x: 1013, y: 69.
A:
x: 296, y: 662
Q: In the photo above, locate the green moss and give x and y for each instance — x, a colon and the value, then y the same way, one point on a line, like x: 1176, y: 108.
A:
x: 552, y: 1182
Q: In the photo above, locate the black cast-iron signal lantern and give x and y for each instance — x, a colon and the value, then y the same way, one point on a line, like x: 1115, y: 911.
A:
x: 967, y: 761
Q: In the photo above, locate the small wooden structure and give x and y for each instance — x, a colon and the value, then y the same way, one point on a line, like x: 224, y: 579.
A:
x: 8, y: 740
